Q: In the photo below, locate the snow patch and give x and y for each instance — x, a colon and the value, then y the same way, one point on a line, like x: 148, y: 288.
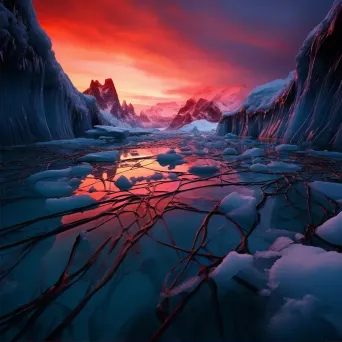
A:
x: 331, y: 230
x: 287, y: 148
x: 253, y: 153
x: 280, y: 167
x: 198, y: 125
x: 258, y: 168
x: 170, y: 158
x: 231, y: 265
x: 57, y: 205
x: 235, y: 202
x: 108, y: 156
x: 230, y: 151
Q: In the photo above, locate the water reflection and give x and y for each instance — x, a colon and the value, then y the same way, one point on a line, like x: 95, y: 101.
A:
x: 155, y: 227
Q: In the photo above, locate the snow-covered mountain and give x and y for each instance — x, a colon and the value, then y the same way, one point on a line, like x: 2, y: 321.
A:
x: 208, y: 104
x: 307, y: 106
x: 160, y: 115
x: 38, y: 102
x: 196, y: 110
x: 225, y: 99
x: 108, y: 100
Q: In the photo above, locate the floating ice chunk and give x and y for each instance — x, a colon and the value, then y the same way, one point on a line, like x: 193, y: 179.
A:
x: 253, y: 153
x: 197, y: 126
x: 50, y: 189
x: 75, y: 182
x: 267, y: 254
x: 107, y: 156
x: 331, y: 230
x: 249, y: 142
x: 236, y: 201
x: 287, y: 148
x: 63, y: 174
x: 259, y: 168
x: 172, y: 176
x: 169, y: 158
x: 81, y: 170
x: 279, y: 167
x: 57, y: 205
x: 203, y: 170
x: 281, y: 243
x: 230, y: 136
x: 230, y: 151
x: 200, y: 153
x: 297, y: 321
x: 231, y: 265
x: 257, y: 160
x: 331, y: 190
x: 306, y: 270
x: 157, y: 176
x: 123, y: 183
x: 49, y: 174
x: 217, y: 144
x: 299, y: 236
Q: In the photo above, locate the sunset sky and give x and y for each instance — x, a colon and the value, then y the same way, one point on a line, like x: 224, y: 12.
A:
x: 162, y: 50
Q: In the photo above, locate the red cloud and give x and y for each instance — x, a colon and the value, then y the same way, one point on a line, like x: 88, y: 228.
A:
x: 156, y: 47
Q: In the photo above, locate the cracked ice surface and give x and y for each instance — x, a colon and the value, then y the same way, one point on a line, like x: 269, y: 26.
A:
x: 150, y: 230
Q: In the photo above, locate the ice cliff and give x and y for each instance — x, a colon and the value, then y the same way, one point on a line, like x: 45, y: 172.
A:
x: 307, y: 106
x: 38, y: 102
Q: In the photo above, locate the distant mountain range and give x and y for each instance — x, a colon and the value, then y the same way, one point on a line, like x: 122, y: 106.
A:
x: 209, y: 104
x: 160, y: 115
x: 108, y: 100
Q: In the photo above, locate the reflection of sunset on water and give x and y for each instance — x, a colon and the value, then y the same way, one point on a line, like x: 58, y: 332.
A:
x: 135, y: 163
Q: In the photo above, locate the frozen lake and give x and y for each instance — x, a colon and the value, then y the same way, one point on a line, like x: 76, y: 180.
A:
x: 170, y: 237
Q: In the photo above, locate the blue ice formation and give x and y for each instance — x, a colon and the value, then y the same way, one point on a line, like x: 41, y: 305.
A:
x: 38, y: 102
x: 306, y: 106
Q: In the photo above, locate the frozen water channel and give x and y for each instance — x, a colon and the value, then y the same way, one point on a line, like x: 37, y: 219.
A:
x: 170, y: 237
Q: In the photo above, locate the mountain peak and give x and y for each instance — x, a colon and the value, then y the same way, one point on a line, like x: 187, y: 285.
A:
x: 95, y: 84
x: 109, y: 83
x: 108, y: 100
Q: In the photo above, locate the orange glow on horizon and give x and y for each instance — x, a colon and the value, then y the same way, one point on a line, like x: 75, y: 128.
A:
x: 148, y: 59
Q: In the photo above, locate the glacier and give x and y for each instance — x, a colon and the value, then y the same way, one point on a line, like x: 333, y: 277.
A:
x: 307, y: 105
x: 38, y: 102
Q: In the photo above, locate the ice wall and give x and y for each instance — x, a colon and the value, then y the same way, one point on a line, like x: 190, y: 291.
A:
x: 38, y: 102
x: 307, y: 106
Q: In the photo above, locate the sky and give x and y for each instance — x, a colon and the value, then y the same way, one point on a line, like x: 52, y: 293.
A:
x: 167, y: 50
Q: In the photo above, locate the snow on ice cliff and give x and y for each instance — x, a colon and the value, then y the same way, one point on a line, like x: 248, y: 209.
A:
x: 38, y: 102
x: 307, y: 106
